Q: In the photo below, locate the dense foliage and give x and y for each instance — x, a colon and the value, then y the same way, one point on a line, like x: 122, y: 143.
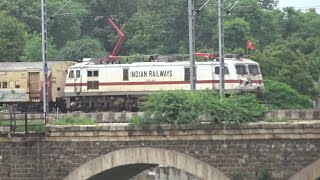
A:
x: 184, y: 107
x: 282, y: 96
x: 11, y: 38
x: 286, y: 40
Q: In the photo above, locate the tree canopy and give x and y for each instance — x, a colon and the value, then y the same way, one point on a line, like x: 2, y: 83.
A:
x: 12, y: 38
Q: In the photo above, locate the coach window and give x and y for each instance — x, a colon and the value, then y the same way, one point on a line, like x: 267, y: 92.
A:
x: 0, y: 84
x: 217, y: 70
x: 125, y: 74
x: 253, y: 69
x: 17, y: 84
x: 93, y: 85
x: 187, y: 74
x: 71, y: 74
x: 241, y: 69
x: 78, y: 73
x: 4, y: 84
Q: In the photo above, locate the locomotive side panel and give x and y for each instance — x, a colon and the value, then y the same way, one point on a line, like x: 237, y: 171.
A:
x: 155, y: 78
x: 97, y: 86
x: 204, y: 76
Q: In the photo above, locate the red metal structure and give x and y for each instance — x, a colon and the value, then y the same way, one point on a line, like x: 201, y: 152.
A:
x: 206, y: 55
x: 113, y: 55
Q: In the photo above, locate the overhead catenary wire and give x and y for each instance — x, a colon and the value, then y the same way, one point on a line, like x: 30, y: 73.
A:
x: 58, y: 10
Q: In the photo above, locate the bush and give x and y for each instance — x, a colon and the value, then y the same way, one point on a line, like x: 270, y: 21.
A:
x: 72, y: 120
x: 184, y: 107
x: 281, y: 96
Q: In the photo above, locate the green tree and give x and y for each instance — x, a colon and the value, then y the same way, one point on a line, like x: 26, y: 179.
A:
x: 147, y: 32
x: 237, y: 31
x: 65, y: 28
x: 284, y: 62
x: 268, y: 4
x: 28, y: 12
x: 84, y: 48
x: 282, y: 96
x: 290, y: 22
x: 11, y: 38
x: 120, y: 10
x: 33, y: 49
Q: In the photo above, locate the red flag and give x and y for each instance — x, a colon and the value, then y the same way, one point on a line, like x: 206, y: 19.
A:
x: 250, y: 45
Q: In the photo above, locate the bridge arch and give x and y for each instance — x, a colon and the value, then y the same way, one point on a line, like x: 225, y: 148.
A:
x: 310, y: 172
x: 146, y: 155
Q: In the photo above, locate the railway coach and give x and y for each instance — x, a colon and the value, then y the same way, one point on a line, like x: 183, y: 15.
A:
x: 21, y: 84
x: 98, y: 85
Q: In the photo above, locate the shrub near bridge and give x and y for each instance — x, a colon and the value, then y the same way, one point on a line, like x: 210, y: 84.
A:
x: 281, y: 96
x: 184, y: 107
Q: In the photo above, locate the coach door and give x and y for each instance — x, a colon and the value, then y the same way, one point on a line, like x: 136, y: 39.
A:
x: 77, y: 81
x: 34, y: 85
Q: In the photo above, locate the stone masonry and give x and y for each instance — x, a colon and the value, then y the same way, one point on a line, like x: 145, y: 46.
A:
x: 278, y: 149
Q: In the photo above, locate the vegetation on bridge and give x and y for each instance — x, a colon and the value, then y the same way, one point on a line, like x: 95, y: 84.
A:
x: 184, y: 107
x: 73, y: 120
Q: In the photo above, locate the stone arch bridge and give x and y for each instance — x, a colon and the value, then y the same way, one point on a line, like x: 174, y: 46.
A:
x: 210, y: 152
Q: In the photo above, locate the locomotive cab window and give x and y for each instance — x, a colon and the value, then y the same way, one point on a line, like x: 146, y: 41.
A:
x: 125, y: 74
x: 71, y: 74
x: 241, y: 69
x: 78, y: 73
x: 217, y: 70
x: 93, y: 73
x: 253, y: 69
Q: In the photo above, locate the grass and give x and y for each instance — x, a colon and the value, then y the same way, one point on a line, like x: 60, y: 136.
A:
x: 273, y: 119
x: 73, y: 120
x: 33, y: 125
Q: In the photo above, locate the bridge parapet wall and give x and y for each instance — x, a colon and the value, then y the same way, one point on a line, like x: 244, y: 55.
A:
x: 122, y: 117
x: 283, y: 149
x: 205, y: 131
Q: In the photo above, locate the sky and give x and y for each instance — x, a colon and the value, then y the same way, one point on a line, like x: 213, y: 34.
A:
x: 300, y: 4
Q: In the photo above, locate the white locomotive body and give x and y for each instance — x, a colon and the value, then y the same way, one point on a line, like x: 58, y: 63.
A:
x: 94, y: 85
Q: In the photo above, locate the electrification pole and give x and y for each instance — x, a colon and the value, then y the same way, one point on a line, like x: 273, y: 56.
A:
x: 192, y: 45
x: 221, y: 46
x: 44, y: 56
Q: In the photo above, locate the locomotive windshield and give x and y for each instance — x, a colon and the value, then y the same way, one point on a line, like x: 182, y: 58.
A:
x: 71, y: 74
x: 241, y: 69
x: 253, y: 69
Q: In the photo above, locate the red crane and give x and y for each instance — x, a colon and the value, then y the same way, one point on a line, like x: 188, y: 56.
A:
x: 113, y: 55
